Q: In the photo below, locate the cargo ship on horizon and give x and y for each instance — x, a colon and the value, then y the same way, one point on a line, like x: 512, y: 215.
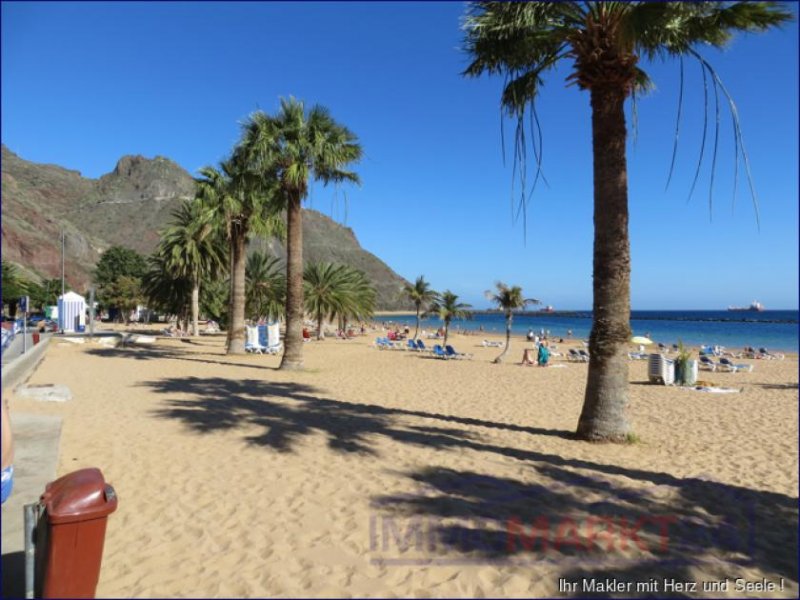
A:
x: 755, y: 306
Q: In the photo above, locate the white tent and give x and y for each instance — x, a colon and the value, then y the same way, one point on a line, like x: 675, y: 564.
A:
x: 71, y: 312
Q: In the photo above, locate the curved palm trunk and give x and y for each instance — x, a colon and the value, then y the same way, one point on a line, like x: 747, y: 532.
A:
x: 603, y: 415
x: 293, y: 344
x: 416, y: 331
x: 319, y: 325
x: 502, y: 356
x: 446, y: 330
x: 195, y: 308
x: 236, y: 334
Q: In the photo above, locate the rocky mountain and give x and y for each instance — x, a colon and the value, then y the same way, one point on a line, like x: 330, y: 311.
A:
x: 127, y: 207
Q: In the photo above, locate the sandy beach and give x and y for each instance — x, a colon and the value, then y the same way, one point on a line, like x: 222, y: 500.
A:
x: 383, y: 473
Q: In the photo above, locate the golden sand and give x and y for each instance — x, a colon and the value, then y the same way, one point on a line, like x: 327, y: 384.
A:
x: 236, y: 479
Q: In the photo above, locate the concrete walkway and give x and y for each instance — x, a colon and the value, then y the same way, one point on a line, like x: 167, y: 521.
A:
x: 36, y: 443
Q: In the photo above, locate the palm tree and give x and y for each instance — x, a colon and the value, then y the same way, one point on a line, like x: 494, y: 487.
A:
x: 360, y: 298
x: 193, y: 249
x: 605, y: 40
x: 332, y: 291
x: 13, y: 286
x: 266, y: 286
x: 448, y: 308
x: 242, y: 201
x: 508, y: 299
x: 294, y: 147
x: 165, y: 290
x: 421, y: 295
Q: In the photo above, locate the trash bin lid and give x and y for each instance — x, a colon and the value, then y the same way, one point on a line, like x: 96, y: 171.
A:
x: 79, y: 496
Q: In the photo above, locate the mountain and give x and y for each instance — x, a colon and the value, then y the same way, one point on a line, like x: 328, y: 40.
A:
x: 128, y: 207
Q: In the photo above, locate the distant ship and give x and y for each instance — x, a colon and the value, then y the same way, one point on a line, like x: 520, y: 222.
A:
x: 547, y: 309
x: 756, y: 306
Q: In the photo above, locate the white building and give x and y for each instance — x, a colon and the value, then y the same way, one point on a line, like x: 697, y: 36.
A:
x: 71, y: 312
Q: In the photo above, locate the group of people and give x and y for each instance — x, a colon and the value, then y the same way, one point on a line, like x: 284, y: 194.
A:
x: 534, y: 356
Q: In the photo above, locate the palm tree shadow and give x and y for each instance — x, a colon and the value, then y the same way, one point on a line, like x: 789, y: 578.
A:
x: 592, y: 525
x: 285, y: 412
x: 705, y: 519
x: 157, y: 353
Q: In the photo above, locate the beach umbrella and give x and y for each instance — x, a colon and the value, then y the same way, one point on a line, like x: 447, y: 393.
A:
x: 640, y: 339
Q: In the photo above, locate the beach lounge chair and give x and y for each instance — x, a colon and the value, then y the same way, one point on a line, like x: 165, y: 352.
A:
x: 451, y: 352
x: 273, y: 344
x: 422, y: 347
x: 440, y: 352
x: 660, y: 370
x: 412, y: 345
x: 252, y: 343
x: 707, y: 363
x: 494, y: 344
x: 637, y: 355
x: 575, y: 356
x: 729, y: 364
x: 584, y: 355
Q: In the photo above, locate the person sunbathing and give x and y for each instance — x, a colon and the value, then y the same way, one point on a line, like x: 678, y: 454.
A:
x: 528, y: 357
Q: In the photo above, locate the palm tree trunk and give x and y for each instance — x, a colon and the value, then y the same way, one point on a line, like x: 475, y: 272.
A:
x: 293, y: 344
x: 237, y: 332
x: 446, y: 328
x: 416, y: 331
x: 195, y: 308
x: 603, y: 416
x: 502, y: 356
x: 319, y: 325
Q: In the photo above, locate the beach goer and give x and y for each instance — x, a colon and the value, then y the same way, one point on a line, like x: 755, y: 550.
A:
x: 569, y: 334
x: 544, y: 354
x: 531, y: 335
x: 528, y: 357
x: 7, y: 455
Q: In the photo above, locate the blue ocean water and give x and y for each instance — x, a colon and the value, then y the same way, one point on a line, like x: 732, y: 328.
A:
x: 773, y: 329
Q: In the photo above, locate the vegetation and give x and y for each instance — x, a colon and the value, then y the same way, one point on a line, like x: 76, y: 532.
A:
x: 605, y: 40
x: 421, y: 294
x: 447, y: 307
x: 193, y: 249
x: 508, y: 299
x: 266, y: 287
x: 117, y: 263
x: 293, y: 148
x: 240, y: 201
x: 337, y: 291
x: 14, y: 285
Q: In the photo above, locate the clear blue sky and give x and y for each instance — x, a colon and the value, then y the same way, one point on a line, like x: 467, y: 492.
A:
x: 85, y: 83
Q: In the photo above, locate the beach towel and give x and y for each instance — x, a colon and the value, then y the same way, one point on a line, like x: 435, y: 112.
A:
x: 716, y: 390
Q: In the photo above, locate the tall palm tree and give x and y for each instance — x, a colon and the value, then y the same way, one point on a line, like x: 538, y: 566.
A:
x: 605, y: 40
x: 332, y: 291
x: 448, y: 308
x: 242, y: 201
x: 296, y: 146
x: 266, y: 286
x: 194, y: 249
x: 421, y: 294
x: 508, y: 299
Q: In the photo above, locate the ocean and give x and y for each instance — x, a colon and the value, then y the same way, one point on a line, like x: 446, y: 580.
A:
x: 772, y: 329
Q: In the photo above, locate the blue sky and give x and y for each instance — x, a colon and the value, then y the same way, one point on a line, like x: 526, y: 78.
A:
x: 85, y: 83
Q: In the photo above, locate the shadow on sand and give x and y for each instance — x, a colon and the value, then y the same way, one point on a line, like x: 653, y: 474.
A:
x: 646, y: 524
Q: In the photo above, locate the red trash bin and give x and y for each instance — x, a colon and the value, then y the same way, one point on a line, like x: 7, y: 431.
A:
x: 35, y: 336
x: 76, y: 508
